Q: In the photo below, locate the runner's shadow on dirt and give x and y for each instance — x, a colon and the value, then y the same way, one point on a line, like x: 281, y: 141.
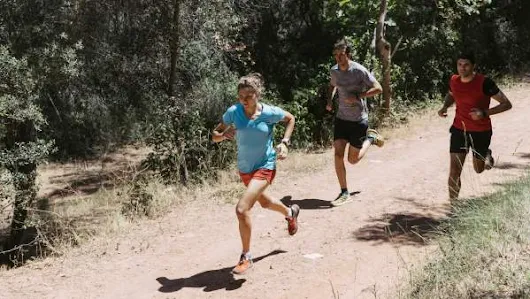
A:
x: 523, y: 155
x: 416, y: 202
x: 509, y: 165
x: 212, y: 280
x: 427, y: 207
x: 402, y: 229
x: 307, y: 203
x: 311, y: 203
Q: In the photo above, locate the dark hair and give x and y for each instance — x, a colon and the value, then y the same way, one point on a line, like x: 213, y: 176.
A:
x: 342, y: 45
x: 254, y: 81
x: 467, y: 55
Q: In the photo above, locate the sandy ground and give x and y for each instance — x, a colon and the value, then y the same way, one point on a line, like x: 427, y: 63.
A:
x: 364, y: 249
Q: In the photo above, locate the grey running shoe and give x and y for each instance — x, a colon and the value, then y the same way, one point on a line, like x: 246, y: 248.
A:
x: 343, y: 198
x: 376, y: 138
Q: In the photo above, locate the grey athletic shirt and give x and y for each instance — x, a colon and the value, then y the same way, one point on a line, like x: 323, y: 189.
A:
x: 357, y: 79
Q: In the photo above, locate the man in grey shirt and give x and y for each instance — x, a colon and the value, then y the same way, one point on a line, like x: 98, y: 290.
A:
x: 353, y: 83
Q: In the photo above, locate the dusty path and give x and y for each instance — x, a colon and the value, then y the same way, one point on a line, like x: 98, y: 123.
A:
x: 346, y: 250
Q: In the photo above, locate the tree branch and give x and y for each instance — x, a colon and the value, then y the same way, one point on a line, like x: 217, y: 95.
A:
x: 396, y: 48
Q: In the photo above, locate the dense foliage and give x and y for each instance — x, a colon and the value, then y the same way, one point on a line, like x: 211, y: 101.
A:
x: 90, y: 75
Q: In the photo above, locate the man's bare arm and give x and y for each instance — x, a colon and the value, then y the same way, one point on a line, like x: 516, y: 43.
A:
x: 448, y: 102
x: 504, y: 104
x: 330, y: 94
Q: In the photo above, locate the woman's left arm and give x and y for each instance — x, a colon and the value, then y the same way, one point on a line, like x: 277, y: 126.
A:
x: 289, y: 127
x: 282, y: 149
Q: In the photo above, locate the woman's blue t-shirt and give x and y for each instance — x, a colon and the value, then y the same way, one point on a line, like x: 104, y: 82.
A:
x: 254, y: 136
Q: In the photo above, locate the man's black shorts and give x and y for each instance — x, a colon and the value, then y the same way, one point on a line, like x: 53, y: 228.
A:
x: 352, y: 131
x: 461, y: 141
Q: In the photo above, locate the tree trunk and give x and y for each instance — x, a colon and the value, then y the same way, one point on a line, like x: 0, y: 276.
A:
x: 24, y: 175
x: 174, y: 48
x: 384, y: 51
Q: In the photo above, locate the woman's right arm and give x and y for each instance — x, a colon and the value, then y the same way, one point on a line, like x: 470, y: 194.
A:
x: 222, y: 132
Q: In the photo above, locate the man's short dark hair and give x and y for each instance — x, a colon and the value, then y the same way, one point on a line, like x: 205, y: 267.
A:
x: 467, y: 55
x: 342, y: 45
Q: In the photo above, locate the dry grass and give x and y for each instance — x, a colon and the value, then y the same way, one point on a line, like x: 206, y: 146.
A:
x: 85, y: 199
x: 301, y: 161
x: 485, y: 251
x: 227, y: 188
x: 415, y: 124
x: 68, y: 221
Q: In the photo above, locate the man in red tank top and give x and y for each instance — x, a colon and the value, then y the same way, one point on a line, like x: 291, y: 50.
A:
x: 471, y: 129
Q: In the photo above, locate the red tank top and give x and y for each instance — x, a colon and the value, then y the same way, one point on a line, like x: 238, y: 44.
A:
x: 468, y: 96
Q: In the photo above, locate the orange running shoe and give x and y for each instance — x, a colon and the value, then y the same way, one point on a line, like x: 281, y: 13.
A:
x: 245, y: 263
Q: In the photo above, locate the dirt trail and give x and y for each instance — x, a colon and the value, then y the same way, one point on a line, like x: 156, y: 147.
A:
x: 364, y: 249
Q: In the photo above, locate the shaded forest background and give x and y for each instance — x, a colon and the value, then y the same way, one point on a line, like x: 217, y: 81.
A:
x: 80, y: 78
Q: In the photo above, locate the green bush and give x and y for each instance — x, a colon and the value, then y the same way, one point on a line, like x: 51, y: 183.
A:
x: 20, y: 148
